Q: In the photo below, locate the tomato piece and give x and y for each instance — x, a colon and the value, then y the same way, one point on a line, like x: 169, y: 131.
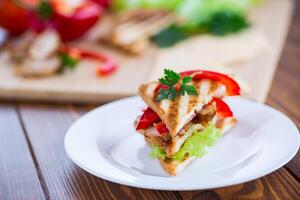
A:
x: 147, y: 119
x: 161, y: 128
x: 222, y: 108
x: 232, y: 87
x: 104, y: 3
x: 13, y: 17
x: 74, y: 25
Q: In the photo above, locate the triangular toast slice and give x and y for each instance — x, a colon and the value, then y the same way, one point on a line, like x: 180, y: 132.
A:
x: 177, y: 113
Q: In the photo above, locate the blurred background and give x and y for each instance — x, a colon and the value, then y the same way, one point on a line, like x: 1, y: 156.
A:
x: 99, y: 50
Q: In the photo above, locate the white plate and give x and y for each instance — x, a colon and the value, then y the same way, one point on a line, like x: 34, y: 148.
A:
x: 104, y: 143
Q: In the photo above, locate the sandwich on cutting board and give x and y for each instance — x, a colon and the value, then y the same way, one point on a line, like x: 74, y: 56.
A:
x: 185, y: 115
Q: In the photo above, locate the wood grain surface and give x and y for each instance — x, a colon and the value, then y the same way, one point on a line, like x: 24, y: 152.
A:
x: 18, y: 175
x: 34, y: 165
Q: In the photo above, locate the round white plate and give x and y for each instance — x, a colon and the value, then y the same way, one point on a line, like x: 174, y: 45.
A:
x: 104, y: 143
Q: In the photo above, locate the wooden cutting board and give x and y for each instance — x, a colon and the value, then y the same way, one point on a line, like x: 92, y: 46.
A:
x: 252, y: 55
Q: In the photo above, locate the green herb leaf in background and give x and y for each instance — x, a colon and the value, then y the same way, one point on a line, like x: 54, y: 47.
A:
x: 169, y: 36
x: 45, y: 10
x: 67, y: 61
x: 223, y: 23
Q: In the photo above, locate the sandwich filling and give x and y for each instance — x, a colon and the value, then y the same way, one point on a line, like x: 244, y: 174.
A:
x: 193, y: 139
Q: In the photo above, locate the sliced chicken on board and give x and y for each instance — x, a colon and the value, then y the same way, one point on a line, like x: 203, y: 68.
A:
x: 44, y: 45
x: 18, y: 47
x: 132, y: 29
x: 38, y: 68
x: 36, y: 55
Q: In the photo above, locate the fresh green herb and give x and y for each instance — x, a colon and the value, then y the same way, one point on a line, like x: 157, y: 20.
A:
x: 171, y: 80
x: 187, y: 89
x: 223, y: 23
x: 45, y: 10
x: 169, y: 36
x: 157, y: 152
x: 67, y: 61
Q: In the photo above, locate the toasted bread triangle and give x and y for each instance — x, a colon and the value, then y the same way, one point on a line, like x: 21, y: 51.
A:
x: 175, y: 114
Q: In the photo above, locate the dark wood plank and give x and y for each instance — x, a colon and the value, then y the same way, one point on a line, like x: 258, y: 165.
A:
x: 285, y: 90
x: 278, y: 185
x: 46, y: 127
x: 18, y: 177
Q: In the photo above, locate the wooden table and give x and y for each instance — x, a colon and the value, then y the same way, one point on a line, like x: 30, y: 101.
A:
x: 34, y: 165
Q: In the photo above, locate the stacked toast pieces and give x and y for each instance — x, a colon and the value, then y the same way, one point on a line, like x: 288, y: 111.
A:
x: 181, y: 129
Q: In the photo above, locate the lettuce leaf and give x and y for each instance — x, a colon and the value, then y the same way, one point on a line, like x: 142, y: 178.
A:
x: 196, y: 145
x: 157, y: 152
x: 198, y: 12
x: 120, y: 5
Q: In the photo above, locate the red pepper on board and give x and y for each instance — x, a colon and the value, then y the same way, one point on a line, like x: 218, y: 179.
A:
x: 147, y: 119
x: 108, y: 67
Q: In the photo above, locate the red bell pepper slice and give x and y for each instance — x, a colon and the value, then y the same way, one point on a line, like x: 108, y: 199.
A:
x: 222, y: 109
x: 147, y: 119
x: 232, y: 87
x: 161, y: 128
x: 108, y: 67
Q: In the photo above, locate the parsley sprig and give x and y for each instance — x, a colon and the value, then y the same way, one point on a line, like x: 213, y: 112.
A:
x: 171, y: 81
x: 67, y: 61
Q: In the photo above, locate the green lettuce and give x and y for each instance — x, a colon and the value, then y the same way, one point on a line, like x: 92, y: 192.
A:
x: 196, y: 145
x: 197, y: 13
x: 157, y: 152
x: 120, y: 5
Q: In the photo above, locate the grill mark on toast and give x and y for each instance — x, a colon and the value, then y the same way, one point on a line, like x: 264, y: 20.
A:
x: 173, y: 113
x: 193, y: 99
x: 213, y: 87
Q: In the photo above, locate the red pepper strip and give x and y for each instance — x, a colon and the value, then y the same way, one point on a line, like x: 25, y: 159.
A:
x: 161, y: 128
x: 109, y: 65
x: 107, y: 68
x: 188, y: 73
x: 222, y: 108
x: 232, y: 86
x: 147, y: 119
